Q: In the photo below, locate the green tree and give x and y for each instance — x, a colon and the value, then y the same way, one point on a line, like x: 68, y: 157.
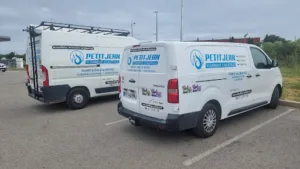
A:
x: 269, y: 48
x: 273, y: 38
x: 231, y: 39
x: 10, y: 55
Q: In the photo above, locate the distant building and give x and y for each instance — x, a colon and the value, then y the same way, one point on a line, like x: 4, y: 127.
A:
x: 254, y: 40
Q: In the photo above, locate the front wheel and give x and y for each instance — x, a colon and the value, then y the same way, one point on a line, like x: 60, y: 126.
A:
x: 3, y: 70
x: 207, y: 121
x: 77, y: 98
x: 275, y: 99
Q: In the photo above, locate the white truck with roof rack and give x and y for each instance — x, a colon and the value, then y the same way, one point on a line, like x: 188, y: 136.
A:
x: 193, y: 85
x: 72, y: 63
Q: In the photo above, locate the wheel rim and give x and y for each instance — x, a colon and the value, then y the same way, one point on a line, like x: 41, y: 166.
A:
x: 78, y: 98
x: 209, y: 121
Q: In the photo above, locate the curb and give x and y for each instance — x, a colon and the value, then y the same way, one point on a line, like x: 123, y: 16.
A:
x: 289, y: 103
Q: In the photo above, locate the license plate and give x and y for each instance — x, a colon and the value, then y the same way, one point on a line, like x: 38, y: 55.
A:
x: 130, y: 94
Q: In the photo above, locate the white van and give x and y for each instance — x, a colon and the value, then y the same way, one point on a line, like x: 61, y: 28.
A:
x: 182, y: 85
x: 73, y: 63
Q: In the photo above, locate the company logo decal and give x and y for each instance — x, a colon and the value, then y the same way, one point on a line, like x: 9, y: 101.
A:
x: 143, y: 63
x: 151, y: 59
x: 220, y: 60
x: 151, y: 92
x: 129, y: 61
x: 196, y: 59
x: 191, y: 89
x: 77, y: 57
x: 212, y: 60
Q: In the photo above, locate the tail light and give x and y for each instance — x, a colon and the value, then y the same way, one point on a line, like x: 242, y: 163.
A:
x: 119, y: 87
x: 27, y: 71
x: 173, y: 91
x: 46, y: 76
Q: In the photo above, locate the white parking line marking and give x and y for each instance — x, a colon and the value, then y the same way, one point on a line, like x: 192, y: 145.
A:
x: 107, y: 124
x: 197, y: 158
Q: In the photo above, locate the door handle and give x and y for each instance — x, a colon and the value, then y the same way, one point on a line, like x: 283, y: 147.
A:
x: 257, y: 75
x: 249, y: 76
x: 132, y: 81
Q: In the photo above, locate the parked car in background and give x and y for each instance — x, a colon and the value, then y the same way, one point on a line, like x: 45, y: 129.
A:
x: 3, y: 67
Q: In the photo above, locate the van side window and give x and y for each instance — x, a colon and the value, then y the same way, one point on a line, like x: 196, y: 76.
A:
x: 260, y: 60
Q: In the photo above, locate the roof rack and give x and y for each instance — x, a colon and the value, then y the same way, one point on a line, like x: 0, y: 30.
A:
x: 55, y: 26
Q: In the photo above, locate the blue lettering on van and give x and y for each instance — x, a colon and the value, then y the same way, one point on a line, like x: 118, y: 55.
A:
x: 101, y: 58
x: 219, y: 57
x: 220, y: 65
x: 77, y: 57
x: 97, y: 72
x: 237, y: 76
x: 220, y: 60
x: 151, y: 59
x: 212, y: 60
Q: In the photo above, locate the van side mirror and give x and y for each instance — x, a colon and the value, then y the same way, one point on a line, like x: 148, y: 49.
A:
x: 274, y: 63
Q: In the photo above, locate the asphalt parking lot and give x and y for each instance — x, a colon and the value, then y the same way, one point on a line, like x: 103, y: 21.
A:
x: 35, y: 135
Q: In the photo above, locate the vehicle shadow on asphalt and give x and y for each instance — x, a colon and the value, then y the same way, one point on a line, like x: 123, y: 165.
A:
x: 152, y: 135
x: 63, y: 107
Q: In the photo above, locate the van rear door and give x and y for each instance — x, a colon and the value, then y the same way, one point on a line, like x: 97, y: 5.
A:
x: 34, y: 63
x: 153, y: 80
x: 129, y: 83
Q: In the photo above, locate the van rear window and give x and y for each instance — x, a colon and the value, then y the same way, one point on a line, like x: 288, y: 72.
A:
x: 144, y: 60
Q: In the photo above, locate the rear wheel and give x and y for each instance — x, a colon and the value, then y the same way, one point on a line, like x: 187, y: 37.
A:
x: 275, y: 99
x: 207, y: 121
x: 77, y: 98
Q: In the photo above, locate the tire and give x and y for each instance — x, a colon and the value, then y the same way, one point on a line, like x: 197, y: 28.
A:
x: 77, y: 98
x: 275, y: 99
x: 3, y: 70
x: 203, y: 130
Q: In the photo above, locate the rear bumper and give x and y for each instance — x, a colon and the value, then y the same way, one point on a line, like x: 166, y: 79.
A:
x: 50, y: 94
x: 172, y: 123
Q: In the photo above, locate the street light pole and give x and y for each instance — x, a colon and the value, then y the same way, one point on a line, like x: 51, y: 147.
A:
x: 132, y: 23
x: 181, y: 22
x: 156, y: 25
x: 245, y: 37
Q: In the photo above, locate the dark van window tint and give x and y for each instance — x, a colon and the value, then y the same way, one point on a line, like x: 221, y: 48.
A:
x: 259, y: 59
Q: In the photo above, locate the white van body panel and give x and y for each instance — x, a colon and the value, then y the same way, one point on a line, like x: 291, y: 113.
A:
x: 223, y: 73
x: 80, y: 60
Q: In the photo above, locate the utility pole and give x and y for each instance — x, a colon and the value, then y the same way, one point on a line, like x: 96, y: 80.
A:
x: 132, y: 23
x: 156, y: 12
x: 181, y: 22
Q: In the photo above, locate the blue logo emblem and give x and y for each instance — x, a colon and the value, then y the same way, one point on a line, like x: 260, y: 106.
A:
x: 129, y: 60
x: 77, y: 57
x: 196, y: 59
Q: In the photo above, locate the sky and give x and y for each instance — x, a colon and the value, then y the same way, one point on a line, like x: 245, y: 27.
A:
x: 205, y: 19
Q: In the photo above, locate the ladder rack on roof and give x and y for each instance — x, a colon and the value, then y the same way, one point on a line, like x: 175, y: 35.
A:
x: 55, y: 26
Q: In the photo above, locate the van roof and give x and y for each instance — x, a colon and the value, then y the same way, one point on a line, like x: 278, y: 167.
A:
x: 176, y: 43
